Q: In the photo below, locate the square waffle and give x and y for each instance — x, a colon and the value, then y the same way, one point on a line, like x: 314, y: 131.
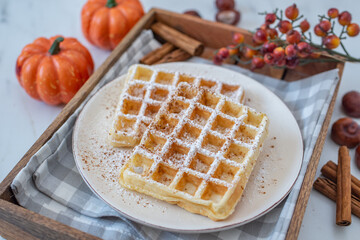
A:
x: 147, y: 88
x: 198, y: 152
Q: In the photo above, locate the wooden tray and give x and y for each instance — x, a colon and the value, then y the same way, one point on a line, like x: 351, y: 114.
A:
x: 17, y: 222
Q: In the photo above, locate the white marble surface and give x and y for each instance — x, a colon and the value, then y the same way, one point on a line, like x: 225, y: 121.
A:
x: 23, y: 119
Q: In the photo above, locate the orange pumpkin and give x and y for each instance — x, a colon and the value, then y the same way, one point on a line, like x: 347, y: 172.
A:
x: 53, y: 70
x: 106, y: 22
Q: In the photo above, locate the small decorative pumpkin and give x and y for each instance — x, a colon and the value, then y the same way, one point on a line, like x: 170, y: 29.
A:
x: 53, y: 70
x: 106, y: 22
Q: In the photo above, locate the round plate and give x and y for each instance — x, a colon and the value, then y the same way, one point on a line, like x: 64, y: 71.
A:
x: 271, y: 180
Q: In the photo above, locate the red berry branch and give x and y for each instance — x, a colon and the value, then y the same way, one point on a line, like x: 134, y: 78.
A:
x: 286, y: 42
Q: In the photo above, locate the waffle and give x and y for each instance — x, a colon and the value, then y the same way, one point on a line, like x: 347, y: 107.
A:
x: 198, y: 152
x: 147, y: 88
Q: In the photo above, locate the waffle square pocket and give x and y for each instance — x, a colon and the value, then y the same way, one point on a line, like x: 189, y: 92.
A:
x: 147, y: 88
x: 200, y: 159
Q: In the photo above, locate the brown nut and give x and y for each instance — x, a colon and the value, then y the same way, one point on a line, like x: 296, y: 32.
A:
x: 231, y: 17
x: 357, y: 156
x: 346, y: 131
x: 351, y: 104
x: 192, y: 13
x: 225, y: 4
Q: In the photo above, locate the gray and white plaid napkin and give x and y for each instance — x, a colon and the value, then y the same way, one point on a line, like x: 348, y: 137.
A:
x: 51, y: 185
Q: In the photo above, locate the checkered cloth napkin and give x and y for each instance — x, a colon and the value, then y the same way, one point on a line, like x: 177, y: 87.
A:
x: 51, y: 185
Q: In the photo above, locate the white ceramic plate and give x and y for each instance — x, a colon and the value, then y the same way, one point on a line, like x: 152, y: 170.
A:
x: 273, y: 177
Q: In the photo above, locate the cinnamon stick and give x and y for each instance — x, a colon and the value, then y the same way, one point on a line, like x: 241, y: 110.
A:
x: 328, y: 188
x: 343, y: 196
x: 180, y: 40
x: 329, y: 171
x: 177, y: 55
x: 157, y: 54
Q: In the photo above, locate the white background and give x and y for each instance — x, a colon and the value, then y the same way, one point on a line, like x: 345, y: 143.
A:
x: 22, y: 119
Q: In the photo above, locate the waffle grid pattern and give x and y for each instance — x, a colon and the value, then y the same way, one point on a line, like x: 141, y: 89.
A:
x: 200, y: 150
x: 147, y: 88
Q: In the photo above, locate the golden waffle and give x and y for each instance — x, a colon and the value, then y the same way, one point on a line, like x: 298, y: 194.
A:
x: 198, y: 152
x: 147, y: 88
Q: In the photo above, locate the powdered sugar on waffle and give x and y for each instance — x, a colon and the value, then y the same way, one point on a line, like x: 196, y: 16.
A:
x: 181, y: 161
x: 157, y: 91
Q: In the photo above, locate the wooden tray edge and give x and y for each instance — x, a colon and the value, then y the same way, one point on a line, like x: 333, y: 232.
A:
x: 145, y: 22
x: 14, y: 219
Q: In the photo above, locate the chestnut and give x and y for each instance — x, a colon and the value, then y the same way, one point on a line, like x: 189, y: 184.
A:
x: 346, y: 131
x: 351, y: 104
x: 357, y: 156
x: 225, y: 4
x: 192, y: 13
x: 231, y: 17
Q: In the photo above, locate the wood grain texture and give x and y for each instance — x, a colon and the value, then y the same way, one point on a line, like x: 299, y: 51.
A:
x: 211, y: 34
x: 10, y: 231
x: 214, y: 35
x: 304, y: 194
x: 34, y: 224
x: 308, y: 70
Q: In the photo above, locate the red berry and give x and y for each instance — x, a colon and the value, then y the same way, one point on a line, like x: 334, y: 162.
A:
x: 223, y: 52
x: 269, y: 58
x: 225, y: 4
x: 281, y: 62
x: 249, y: 53
x: 333, y: 12
x: 272, y: 33
x: 331, y: 41
x: 325, y: 25
x: 260, y: 36
x: 279, y: 53
x: 344, y: 18
x: 292, y: 12
x: 192, y: 13
x: 268, y: 47
x: 293, y: 37
x: 292, y: 62
x: 304, y: 49
x: 270, y: 18
x: 353, y: 29
x: 284, y: 26
x: 238, y: 38
x: 319, y: 31
x: 257, y: 62
x: 264, y: 26
x: 233, y: 50
x: 217, y: 60
x: 304, y: 25
x: 290, y: 50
